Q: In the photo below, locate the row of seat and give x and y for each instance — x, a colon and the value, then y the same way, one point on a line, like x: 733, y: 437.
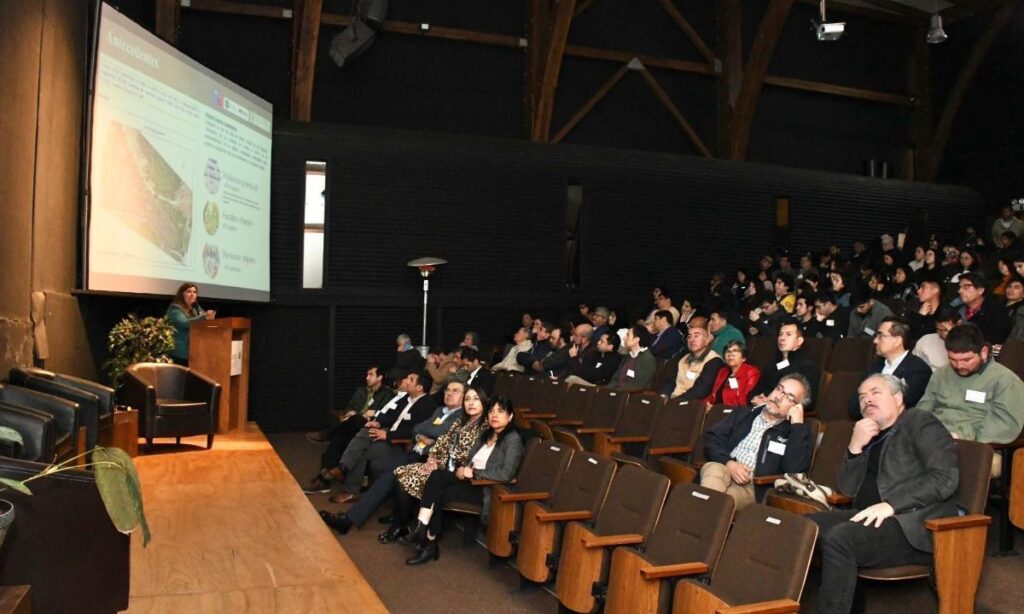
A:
x: 618, y: 535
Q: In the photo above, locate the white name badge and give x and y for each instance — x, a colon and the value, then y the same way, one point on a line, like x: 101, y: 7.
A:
x: 630, y: 373
x: 830, y: 322
x: 776, y: 448
x: 734, y: 383
x: 598, y: 366
x: 869, y: 331
x: 691, y: 375
x: 779, y: 366
x: 975, y: 396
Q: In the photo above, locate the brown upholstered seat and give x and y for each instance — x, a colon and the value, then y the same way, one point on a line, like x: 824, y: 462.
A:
x: 543, y: 467
x: 173, y: 401
x: 574, y: 406
x: 838, y: 390
x: 676, y: 428
x: 685, y: 471
x: 766, y: 558
x: 628, y: 516
x: 761, y: 351
x: 851, y: 354
x: 577, y: 496
x: 543, y: 429
x: 1011, y: 356
x: 664, y: 372
x: 824, y: 470
x: 687, y: 540
x: 604, y: 412
x: 547, y: 398
x: 634, y: 425
x: 504, y: 382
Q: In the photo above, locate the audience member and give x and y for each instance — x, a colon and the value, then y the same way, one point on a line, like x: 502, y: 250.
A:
x: 891, y: 343
x: 976, y: 309
x: 724, y: 333
x: 931, y: 348
x: 667, y: 340
x: 598, y: 365
x: 522, y: 344
x: 898, y: 478
x: 736, y: 381
x: 767, y: 439
x: 790, y: 359
x: 697, y: 370
x: 1007, y: 222
x: 830, y: 320
x: 478, y: 375
x: 637, y: 368
x: 867, y: 314
x: 407, y: 360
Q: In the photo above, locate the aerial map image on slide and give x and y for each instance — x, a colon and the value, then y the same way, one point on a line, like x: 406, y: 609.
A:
x: 141, y: 189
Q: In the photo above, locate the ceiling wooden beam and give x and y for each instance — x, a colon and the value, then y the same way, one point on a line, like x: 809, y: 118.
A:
x: 613, y: 55
x: 963, y: 83
x: 551, y: 69
x: 768, y: 32
x: 687, y: 29
x: 902, y: 100
x: 729, y: 47
x: 581, y: 7
x: 306, y: 36
x: 168, y: 14
x: 589, y: 104
x: 537, y: 29
x: 666, y: 102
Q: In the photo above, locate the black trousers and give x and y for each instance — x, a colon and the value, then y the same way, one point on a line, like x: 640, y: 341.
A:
x: 846, y: 546
x: 338, y: 439
x: 442, y: 488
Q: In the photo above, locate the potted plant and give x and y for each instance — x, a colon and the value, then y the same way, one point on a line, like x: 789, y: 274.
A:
x: 135, y: 340
x: 116, y: 479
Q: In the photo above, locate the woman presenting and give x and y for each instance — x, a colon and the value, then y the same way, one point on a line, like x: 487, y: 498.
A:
x: 185, y: 309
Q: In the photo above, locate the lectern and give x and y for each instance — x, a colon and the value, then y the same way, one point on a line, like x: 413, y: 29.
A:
x: 219, y: 349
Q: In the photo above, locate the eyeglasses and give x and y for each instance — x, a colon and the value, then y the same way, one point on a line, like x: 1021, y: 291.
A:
x: 883, y: 335
x: 788, y: 396
x: 967, y: 286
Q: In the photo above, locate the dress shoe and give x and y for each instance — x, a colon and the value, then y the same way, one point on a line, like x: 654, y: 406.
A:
x: 344, y: 497
x: 386, y: 519
x: 317, y: 437
x: 415, y: 537
x: 317, y: 486
x: 394, y: 533
x: 338, y: 522
x: 334, y: 473
x: 430, y: 552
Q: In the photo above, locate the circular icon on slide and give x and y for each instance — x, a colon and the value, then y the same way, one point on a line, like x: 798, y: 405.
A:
x: 211, y: 260
x: 211, y: 174
x: 211, y: 217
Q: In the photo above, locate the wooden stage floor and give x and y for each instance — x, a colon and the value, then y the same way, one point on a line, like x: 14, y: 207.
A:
x: 232, y: 532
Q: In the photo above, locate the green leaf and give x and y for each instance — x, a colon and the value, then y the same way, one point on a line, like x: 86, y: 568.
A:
x: 118, y: 483
x: 9, y: 434
x: 15, y: 485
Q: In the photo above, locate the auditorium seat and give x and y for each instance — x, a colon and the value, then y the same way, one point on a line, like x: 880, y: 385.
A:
x: 96, y: 401
x: 761, y: 351
x: 675, y: 431
x: 575, y: 405
x: 627, y: 517
x: 763, y: 567
x: 851, y: 354
x: 686, y: 471
x: 824, y: 471
x: 65, y: 416
x: 548, y: 395
x: 665, y: 371
x: 687, y: 541
x: 839, y: 388
x: 577, y: 496
x: 542, y: 469
x: 634, y: 425
x: 504, y: 382
x: 173, y: 401
x: 1011, y: 356
x: 37, y: 430
x: 602, y: 416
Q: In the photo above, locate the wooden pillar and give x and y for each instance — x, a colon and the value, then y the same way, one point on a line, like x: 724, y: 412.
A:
x: 168, y: 16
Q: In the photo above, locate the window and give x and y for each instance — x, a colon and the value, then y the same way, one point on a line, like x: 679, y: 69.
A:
x: 315, y: 213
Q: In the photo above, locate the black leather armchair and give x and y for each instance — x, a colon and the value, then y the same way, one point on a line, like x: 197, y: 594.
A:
x: 173, y: 401
x: 64, y: 412
x: 96, y: 401
x: 37, y: 433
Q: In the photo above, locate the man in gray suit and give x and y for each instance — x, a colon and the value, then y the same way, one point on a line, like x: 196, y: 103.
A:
x: 901, y: 470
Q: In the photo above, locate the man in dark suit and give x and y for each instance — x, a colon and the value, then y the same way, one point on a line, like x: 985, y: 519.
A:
x: 982, y: 310
x: 790, y: 359
x: 373, y: 446
x: 479, y: 375
x: 830, y: 320
x: 901, y: 470
x: 891, y: 341
x: 407, y: 360
x: 541, y: 348
x: 667, y: 341
x: 594, y: 363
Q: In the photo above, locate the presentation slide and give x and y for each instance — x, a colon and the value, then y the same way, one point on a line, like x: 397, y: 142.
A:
x: 179, y: 175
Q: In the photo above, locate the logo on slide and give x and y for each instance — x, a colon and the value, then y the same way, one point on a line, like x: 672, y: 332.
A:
x: 211, y: 260
x: 211, y: 174
x: 211, y: 217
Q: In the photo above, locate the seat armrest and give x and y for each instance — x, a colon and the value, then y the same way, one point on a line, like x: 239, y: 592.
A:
x: 88, y: 403
x: 606, y: 541
x: 629, y: 439
x: 490, y: 482
x: 36, y: 429
x: 839, y: 499
x: 670, y: 450
x: 657, y: 572
x: 957, y: 522
x: 594, y: 429
x: 515, y: 497
x: 532, y: 415
x: 65, y: 413
x: 105, y: 394
x: 198, y: 387
x: 564, y: 516
x: 1016, y: 443
x: 777, y: 606
x: 565, y: 423
x: 400, y: 442
x: 766, y: 480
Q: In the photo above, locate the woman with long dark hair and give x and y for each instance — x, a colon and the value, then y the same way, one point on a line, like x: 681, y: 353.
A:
x: 496, y: 457
x: 183, y: 310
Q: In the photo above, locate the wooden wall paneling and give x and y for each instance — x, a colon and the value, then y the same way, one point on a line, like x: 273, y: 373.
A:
x: 963, y: 83
x: 753, y: 74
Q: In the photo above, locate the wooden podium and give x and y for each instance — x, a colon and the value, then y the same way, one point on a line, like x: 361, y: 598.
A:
x: 219, y: 349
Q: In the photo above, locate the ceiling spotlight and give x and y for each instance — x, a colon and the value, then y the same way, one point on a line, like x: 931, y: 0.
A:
x: 827, y: 31
x: 936, y: 34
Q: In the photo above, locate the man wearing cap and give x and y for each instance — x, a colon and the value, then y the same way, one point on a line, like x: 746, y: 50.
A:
x: 867, y: 314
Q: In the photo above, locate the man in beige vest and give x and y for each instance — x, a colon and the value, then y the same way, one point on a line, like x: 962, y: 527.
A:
x: 696, y: 371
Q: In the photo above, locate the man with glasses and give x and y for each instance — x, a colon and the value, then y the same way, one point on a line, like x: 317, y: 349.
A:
x: 767, y: 439
x: 891, y: 341
x: 991, y: 318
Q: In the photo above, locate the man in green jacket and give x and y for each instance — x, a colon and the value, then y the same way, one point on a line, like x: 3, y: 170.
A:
x: 723, y: 332
x: 636, y: 371
x: 973, y: 396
